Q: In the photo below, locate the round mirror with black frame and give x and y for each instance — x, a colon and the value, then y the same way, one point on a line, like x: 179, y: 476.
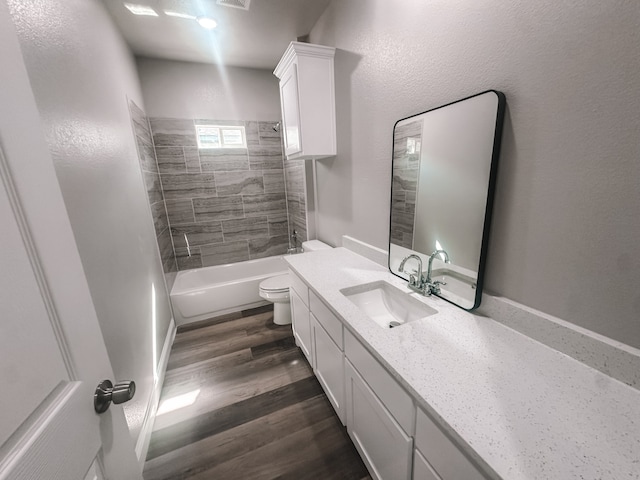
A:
x: 443, y: 179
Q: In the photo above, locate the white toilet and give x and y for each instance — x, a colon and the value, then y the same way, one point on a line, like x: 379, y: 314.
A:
x: 276, y: 289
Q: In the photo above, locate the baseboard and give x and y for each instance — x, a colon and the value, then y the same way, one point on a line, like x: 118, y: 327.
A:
x: 142, y: 446
x: 375, y: 254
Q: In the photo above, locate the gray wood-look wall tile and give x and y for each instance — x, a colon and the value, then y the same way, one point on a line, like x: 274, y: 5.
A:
x: 140, y: 123
x: 147, y: 157
x: 192, y: 159
x: 150, y: 173
x: 295, y: 205
x: 239, y: 183
x: 243, y: 200
x: 167, y: 255
x: 273, y: 181
x: 267, y: 157
x: 228, y: 252
x: 197, y: 234
x: 159, y: 215
x: 218, y: 208
x: 300, y: 226
x: 180, y: 211
x: 173, y: 132
x: 228, y: 159
x: 245, y: 228
x: 188, y: 185
x: 154, y: 188
x: 267, y: 204
x: 267, y: 134
x: 294, y: 178
x: 171, y: 160
x: 186, y: 261
x: 267, y: 247
x: 251, y: 133
x: 278, y: 225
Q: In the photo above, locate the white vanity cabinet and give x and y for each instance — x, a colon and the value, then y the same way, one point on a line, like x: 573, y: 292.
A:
x: 380, y: 415
x: 300, y: 316
x: 329, y: 357
x: 307, y: 100
x: 436, y: 457
x: 395, y: 438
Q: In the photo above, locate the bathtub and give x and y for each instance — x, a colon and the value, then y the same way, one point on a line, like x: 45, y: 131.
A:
x: 207, y: 292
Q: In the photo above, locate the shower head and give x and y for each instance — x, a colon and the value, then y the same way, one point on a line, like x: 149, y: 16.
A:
x: 276, y: 127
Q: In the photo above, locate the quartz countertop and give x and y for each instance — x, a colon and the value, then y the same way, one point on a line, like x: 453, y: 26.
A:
x: 519, y: 408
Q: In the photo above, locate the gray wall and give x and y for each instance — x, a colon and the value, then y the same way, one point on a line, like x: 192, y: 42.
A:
x: 192, y: 90
x: 81, y: 74
x: 567, y: 216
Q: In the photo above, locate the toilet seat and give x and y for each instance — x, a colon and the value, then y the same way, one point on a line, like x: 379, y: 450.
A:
x: 277, y: 284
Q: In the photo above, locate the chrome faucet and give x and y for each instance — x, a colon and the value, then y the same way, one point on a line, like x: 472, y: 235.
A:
x: 434, y: 287
x: 416, y: 279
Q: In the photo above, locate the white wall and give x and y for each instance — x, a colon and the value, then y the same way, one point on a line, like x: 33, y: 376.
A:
x: 81, y: 73
x: 567, y: 216
x: 194, y: 90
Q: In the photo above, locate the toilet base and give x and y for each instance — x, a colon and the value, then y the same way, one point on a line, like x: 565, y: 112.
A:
x: 282, y: 313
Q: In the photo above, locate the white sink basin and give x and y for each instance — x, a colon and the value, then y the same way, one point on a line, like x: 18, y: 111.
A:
x: 387, y: 305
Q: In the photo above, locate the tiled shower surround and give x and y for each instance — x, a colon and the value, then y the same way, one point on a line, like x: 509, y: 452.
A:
x: 224, y: 205
x: 149, y: 167
x: 406, y: 168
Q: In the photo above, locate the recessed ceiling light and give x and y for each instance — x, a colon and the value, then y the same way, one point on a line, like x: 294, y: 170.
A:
x: 208, y: 23
x: 140, y: 9
x: 179, y: 15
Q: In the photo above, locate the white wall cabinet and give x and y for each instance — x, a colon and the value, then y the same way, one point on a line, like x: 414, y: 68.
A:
x: 307, y: 100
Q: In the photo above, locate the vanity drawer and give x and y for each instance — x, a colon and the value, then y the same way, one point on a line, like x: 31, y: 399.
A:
x: 300, y: 287
x: 327, y: 319
x: 391, y: 394
x: 445, y: 458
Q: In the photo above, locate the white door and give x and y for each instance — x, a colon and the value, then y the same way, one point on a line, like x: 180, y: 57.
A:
x: 52, y: 354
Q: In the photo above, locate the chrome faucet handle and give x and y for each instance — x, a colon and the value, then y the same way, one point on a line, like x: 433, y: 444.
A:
x: 435, y: 286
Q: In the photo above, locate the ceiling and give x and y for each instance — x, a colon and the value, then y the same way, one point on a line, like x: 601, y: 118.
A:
x: 256, y: 38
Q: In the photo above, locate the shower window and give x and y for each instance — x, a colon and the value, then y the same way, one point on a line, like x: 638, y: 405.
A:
x: 221, y: 136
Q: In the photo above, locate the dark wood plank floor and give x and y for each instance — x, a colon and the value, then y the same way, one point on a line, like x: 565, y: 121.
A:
x: 252, y: 408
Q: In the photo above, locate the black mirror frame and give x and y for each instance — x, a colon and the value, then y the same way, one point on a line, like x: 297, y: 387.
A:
x: 493, y: 173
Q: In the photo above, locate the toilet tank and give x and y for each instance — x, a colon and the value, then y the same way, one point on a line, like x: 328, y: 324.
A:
x: 313, y: 245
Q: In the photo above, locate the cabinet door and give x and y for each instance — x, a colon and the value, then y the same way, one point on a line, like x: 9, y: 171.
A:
x: 301, y: 325
x: 421, y: 468
x: 329, y: 367
x: 381, y: 442
x: 291, y: 111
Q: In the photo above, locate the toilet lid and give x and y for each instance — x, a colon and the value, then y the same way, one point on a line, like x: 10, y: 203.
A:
x: 276, y: 284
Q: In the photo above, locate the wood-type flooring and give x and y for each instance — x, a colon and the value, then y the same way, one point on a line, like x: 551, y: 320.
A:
x: 246, y: 405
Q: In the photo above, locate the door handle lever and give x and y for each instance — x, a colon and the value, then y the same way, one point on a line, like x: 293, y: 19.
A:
x: 106, y: 393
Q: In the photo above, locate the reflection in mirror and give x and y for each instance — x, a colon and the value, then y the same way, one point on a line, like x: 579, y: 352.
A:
x: 444, y: 166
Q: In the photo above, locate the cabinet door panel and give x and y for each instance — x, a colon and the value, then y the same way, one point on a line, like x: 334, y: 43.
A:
x: 392, y: 395
x: 381, y: 442
x: 290, y: 111
x: 301, y: 325
x: 326, y: 318
x: 329, y: 367
x: 421, y: 468
x: 441, y: 453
